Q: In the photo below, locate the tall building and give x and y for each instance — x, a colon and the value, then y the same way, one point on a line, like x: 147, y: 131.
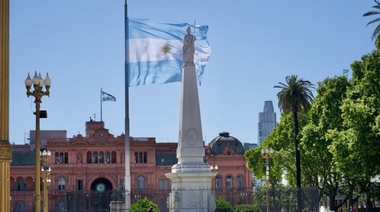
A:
x: 87, y: 171
x: 267, y: 121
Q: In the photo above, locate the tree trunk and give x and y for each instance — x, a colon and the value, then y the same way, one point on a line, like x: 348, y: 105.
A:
x: 298, y: 162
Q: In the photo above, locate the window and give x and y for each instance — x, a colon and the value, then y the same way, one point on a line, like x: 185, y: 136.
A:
x: 218, y: 182
x: 101, y: 157
x: 61, y: 183
x: 229, y: 182
x: 20, y: 185
x: 79, y: 185
x: 136, y: 157
x: 240, y: 182
x: 57, y: 158
x: 108, y: 158
x: 95, y: 157
x: 66, y: 158
x: 20, y: 206
x: 145, y: 157
x: 61, y: 206
x: 61, y: 158
x: 141, y: 157
x: 164, y: 184
x: 140, y: 182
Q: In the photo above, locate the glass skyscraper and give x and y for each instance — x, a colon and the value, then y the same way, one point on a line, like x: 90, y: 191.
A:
x: 267, y: 121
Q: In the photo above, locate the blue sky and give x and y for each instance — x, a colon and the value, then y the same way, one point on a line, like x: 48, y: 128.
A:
x: 255, y: 45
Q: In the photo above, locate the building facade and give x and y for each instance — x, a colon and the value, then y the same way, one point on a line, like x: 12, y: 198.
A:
x: 267, y: 121
x: 87, y: 172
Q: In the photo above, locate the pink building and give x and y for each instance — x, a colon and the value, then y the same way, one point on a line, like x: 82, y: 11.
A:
x: 87, y: 171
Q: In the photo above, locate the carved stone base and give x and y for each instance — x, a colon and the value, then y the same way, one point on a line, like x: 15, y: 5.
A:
x: 191, y: 191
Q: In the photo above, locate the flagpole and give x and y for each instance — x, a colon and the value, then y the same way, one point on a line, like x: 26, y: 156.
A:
x: 101, y: 105
x: 127, y: 179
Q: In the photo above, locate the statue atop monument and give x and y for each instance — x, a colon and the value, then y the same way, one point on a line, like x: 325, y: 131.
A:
x: 188, y: 47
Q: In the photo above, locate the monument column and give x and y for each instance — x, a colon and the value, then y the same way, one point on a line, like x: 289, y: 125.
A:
x: 191, y: 176
x: 5, y: 147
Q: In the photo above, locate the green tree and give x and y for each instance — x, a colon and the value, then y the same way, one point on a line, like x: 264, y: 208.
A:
x: 376, y: 32
x: 355, y: 148
x: 142, y: 205
x: 295, y: 96
x: 318, y: 165
x: 283, y: 161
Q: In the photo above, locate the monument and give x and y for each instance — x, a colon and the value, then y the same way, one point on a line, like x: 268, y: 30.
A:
x: 191, y: 176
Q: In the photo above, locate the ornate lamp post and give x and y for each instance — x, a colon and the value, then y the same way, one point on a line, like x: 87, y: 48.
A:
x: 45, y: 155
x: 267, y: 155
x: 214, y: 169
x: 38, y: 93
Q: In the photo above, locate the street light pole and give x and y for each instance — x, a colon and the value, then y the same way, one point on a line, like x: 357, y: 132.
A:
x: 267, y: 155
x: 38, y: 93
x: 45, y: 155
x: 214, y: 169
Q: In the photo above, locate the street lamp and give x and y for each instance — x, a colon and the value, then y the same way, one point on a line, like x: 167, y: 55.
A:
x: 267, y: 155
x: 38, y: 93
x: 214, y: 169
x: 45, y: 155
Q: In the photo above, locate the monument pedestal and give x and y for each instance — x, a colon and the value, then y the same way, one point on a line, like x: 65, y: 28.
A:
x: 191, y: 191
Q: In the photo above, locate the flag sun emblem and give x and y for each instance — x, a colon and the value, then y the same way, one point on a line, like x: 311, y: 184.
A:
x: 101, y: 187
x: 165, y: 49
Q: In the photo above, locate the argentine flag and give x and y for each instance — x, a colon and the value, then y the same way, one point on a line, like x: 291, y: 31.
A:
x: 154, y: 51
x: 107, y: 97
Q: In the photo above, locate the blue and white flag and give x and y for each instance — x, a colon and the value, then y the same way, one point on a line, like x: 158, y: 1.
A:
x: 154, y: 51
x: 107, y: 97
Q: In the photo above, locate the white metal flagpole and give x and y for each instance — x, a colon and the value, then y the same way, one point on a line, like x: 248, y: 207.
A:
x: 127, y: 179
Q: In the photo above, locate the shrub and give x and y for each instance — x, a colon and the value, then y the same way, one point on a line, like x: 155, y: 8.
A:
x: 246, y: 208
x: 142, y: 205
x: 222, y: 205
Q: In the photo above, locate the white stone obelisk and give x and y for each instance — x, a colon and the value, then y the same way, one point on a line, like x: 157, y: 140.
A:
x: 191, y: 176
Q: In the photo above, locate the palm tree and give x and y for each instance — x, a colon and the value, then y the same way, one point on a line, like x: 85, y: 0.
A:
x: 376, y: 32
x: 295, y: 96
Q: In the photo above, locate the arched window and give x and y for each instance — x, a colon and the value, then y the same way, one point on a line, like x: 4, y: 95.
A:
x: 95, y: 157
x: 61, y: 183
x: 108, y: 157
x: 240, y: 184
x: 229, y: 182
x: 136, y: 157
x: 20, y: 185
x: 101, y: 157
x: 218, y: 182
x: 140, y: 157
x: 164, y: 185
x: 20, y: 206
x: 57, y: 160
x: 61, y: 206
x: 140, y: 182
x: 66, y: 158
x: 145, y: 157
x: 61, y: 161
